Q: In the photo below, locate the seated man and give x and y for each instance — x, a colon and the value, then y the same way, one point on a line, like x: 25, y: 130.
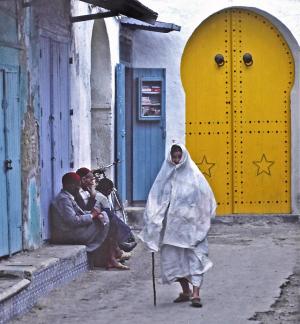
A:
x: 70, y: 224
x: 118, y: 232
x: 103, y: 190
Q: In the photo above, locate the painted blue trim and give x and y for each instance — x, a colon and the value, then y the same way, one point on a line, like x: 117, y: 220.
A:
x: 121, y: 131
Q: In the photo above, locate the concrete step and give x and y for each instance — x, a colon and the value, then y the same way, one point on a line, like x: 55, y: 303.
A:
x: 135, y: 216
x: 27, y: 276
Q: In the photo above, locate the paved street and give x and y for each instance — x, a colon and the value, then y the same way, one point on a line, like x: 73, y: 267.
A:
x: 255, y: 275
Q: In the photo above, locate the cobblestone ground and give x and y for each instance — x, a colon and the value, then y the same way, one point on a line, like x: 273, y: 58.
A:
x: 286, y: 308
x: 255, y: 279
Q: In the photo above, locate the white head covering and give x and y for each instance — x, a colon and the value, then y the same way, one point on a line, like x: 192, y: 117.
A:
x: 182, y: 194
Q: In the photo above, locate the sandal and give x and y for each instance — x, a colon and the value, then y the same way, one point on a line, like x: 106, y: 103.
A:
x: 125, y: 256
x: 117, y: 265
x: 196, y: 302
x: 182, y: 298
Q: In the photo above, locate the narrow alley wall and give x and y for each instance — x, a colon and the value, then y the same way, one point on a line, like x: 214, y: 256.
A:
x: 95, y: 51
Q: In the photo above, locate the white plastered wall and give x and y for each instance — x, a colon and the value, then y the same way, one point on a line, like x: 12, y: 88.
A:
x: 80, y: 91
x: 165, y: 51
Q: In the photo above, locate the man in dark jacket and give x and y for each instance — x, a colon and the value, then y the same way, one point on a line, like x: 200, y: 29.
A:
x: 70, y: 224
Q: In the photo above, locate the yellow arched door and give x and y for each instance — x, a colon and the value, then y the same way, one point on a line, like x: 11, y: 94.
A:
x: 237, y: 72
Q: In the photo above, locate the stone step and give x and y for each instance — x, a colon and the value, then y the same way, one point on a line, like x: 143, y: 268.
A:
x: 27, y: 276
x: 135, y: 216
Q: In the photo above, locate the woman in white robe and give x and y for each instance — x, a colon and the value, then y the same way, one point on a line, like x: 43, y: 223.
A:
x: 177, y: 219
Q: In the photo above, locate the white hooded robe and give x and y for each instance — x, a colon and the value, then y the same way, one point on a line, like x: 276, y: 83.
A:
x: 177, y: 219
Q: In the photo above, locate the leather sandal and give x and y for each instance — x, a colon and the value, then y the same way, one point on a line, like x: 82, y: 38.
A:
x: 182, y: 298
x: 196, y: 302
x: 125, y: 256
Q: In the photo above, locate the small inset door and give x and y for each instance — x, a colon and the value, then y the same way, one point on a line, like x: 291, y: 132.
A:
x: 10, y: 170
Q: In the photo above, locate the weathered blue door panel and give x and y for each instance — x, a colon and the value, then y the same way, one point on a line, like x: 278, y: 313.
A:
x: 61, y: 113
x: 121, y: 130
x: 9, y: 25
x: 12, y: 119
x: 4, y: 242
x: 56, y: 113
x: 45, y: 134
x: 64, y: 107
x: 10, y: 173
x: 55, y: 120
x: 148, y: 139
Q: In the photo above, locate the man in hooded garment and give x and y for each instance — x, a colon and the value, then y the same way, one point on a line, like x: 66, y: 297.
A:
x: 70, y: 224
x: 177, y: 219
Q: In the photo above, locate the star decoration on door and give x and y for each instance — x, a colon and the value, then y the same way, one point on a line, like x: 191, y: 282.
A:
x: 264, y: 165
x: 206, y: 166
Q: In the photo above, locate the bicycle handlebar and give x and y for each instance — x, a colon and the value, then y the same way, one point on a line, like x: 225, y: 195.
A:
x: 103, y: 168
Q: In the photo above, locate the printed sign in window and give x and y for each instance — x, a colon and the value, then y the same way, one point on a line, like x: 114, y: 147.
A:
x: 150, y: 105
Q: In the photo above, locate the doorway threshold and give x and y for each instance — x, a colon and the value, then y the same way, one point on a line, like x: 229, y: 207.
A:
x: 251, y: 218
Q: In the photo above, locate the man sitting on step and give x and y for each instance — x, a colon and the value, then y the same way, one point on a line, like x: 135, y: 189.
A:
x: 119, y: 232
x: 70, y: 224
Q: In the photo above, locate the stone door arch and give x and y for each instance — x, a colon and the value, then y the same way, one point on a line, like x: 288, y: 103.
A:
x: 101, y: 96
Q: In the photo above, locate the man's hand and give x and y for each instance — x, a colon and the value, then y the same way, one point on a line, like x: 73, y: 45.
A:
x: 95, y: 213
x: 102, y: 216
x: 92, y: 191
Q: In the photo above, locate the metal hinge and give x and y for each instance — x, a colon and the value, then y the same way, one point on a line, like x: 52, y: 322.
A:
x: 71, y: 112
x: 4, y: 104
x: 70, y: 60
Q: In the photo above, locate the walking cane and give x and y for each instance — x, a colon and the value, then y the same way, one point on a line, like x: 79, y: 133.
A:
x: 153, y: 279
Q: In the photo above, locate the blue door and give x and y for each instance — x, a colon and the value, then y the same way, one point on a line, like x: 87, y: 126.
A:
x: 60, y: 112
x: 148, y: 129
x: 45, y: 134
x: 140, y: 129
x: 4, y: 244
x: 54, y: 121
x: 10, y: 174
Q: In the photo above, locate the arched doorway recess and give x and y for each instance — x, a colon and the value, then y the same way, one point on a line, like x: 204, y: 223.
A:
x: 238, y: 72
x: 101, y: 97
